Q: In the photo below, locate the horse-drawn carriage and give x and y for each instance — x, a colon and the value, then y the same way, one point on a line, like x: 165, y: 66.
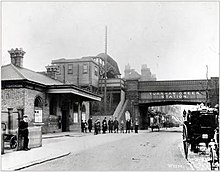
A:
x: 199, y: 127
x: 156, y: 122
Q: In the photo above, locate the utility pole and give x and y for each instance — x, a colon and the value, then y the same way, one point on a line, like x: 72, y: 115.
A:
x: 105, y: 90
x: 207, y: 92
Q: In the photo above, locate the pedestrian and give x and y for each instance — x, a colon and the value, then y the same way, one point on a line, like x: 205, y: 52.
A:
x: 131, y: 125
x: 97, y: 127
x: 85, y: 126
x: 23, y: 132
x: 116, y: 123
x: 82, y: 126
x: 136, y: 125
x: 104, y: 125
x: 110, y: 125
x: 90, y: 124
x: 128, y: 126
x: 122, y: 126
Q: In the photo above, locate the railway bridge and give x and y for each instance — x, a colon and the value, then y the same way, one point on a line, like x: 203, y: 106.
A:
x: 142, y: 94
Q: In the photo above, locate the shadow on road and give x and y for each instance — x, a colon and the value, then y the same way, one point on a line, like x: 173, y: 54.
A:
x: 168, y: 130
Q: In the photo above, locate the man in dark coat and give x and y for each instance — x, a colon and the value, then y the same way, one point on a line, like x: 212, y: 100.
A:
x: 128, y: 125
x: 90, y: 124
x: 82, y: 126
x: 23, y: 132
x: 116, y: 123
x: 110, y: 125
x: 104, y: 125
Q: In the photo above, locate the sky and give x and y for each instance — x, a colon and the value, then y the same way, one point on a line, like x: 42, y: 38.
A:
x: 175, y: 39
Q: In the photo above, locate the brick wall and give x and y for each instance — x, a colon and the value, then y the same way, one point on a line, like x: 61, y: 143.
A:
x: 13, y: 97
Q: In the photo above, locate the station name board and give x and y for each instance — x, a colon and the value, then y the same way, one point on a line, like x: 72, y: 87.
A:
x: 173, y: 95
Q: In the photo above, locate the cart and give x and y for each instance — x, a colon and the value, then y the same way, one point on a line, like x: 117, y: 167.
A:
x: 199, y: 127
x: 155, y: 122
x: 9, y: 137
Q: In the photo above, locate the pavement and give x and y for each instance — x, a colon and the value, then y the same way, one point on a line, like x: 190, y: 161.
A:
x: 16, y: 160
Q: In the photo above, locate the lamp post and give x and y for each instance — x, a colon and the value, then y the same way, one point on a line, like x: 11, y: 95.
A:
x: 105, y: 90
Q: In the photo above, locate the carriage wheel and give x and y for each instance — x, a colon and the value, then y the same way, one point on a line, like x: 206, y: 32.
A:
x: 13, y: 142
x: 185, y: 143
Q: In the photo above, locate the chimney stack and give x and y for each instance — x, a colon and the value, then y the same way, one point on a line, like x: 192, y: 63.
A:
x: 51, y: 71
x: 17, y: 57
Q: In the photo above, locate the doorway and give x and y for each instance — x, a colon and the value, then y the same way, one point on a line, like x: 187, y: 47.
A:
x: 65, y: 121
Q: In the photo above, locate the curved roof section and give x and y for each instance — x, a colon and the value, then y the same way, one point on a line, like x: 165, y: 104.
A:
x: 111, y: 63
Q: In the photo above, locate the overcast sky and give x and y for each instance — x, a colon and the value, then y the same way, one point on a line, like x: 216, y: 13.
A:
x: 175, y: 39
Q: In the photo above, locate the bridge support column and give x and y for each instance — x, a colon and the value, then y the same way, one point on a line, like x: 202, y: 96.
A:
x: 144, y: 117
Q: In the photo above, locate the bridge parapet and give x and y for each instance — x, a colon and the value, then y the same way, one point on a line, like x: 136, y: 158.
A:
x: 178, y: 85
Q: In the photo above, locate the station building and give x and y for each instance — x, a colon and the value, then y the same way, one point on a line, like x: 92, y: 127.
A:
x: 55, y: 104
x: 88, y: 73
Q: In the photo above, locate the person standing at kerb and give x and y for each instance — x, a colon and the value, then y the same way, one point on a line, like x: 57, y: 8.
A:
x: 110, y: 125
x: 136, y: 125
x: 23, y: 132
x: 116, y: 123
x: 90, y: 124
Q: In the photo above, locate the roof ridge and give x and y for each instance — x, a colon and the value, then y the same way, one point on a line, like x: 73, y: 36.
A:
x: 36, y: 73
x: 17, y: 71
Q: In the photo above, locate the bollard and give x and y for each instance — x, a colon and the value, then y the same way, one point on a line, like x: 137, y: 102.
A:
x: 2, y: 141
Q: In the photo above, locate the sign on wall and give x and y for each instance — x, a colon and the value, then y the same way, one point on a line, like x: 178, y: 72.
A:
x: 75, y: 117
x: 38, y: 116
x: 173, y: 95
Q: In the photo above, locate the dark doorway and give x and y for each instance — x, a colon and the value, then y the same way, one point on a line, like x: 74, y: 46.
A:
x: 65, y: 122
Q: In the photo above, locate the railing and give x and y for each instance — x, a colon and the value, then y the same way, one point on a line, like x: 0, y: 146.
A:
x: 122, y: 110
x: 119, y: 107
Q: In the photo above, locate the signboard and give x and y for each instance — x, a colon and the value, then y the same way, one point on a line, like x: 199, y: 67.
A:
x: 38, y: 116
x: 75, y: 117
x: 173, y: 95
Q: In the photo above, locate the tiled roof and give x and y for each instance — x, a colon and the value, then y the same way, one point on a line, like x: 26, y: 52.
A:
x: 11, y: 72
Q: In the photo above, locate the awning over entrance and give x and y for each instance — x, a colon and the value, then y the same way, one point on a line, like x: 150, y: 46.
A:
x: 61, y: 89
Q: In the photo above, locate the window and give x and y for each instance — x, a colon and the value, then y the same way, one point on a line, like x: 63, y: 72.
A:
x: 70, y: 69
x: 85, y: 68
x: 96, y: 71
x: 58, y: 70
x: 38, y: 102
x: 38, y: 105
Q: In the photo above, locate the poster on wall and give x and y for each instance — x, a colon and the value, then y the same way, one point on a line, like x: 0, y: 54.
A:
x: 38, y: 116
x: 75, y: 117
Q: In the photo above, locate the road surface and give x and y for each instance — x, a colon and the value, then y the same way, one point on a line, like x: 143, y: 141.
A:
x: 123, y: 152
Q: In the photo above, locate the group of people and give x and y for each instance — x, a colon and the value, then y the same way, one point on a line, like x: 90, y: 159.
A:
x: 113, y: 126
x: 86, y: 125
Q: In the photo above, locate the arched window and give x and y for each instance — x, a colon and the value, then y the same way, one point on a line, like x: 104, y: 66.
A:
x: 83, y: 108
x: 38, y: 106
x: 38, y: 102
